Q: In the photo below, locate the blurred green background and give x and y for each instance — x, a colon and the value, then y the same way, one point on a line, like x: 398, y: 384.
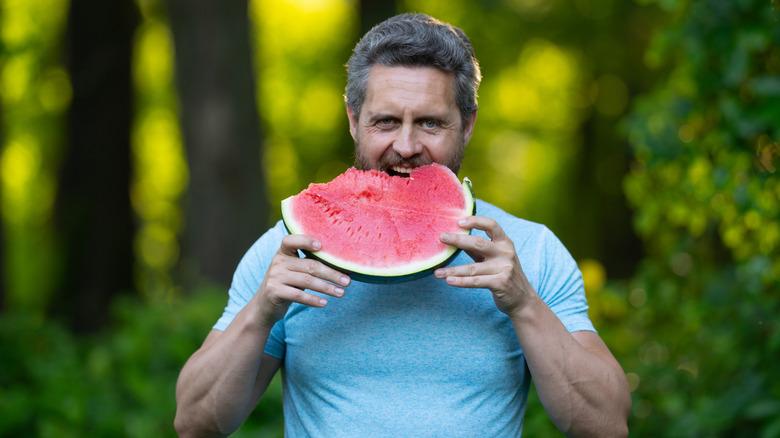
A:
x: 146, y: 144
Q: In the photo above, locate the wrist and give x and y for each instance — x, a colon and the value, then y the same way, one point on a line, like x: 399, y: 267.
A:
x: 264, y: 313
x: 528, y: 310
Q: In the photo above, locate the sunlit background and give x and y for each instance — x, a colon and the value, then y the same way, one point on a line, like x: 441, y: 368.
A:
x: 644, y: 135
x: 533, y: 103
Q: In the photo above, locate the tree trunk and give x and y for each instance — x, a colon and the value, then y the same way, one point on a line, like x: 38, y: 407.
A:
x: 226, y: 204
x: 93, y: 214
x: 374, y: 12
x: 3, y: 249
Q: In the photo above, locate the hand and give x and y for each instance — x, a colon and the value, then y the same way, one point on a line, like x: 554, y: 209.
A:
x: 496, y: 265
x: 288, y: 277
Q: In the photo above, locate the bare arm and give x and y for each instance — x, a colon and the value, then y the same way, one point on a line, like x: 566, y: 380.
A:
x: 223, y: 380
x: 580, y: 384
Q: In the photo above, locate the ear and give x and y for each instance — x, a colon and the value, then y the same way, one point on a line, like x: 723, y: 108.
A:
x: 353, y: 122
x: 468, y: 128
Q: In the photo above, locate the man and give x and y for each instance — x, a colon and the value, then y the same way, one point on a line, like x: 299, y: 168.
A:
x: 447, y: 355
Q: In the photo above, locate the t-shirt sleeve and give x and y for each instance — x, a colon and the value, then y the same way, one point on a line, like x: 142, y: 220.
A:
x: 247, y: 279
x: 561, y: 285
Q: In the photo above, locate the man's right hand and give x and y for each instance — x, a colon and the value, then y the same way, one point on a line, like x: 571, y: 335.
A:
x: 289, y: 277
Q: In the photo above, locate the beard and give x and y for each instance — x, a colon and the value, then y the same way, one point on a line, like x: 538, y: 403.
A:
x: 392, y: 158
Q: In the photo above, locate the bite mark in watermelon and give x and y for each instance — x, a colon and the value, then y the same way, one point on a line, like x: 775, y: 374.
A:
x: 382, y: 228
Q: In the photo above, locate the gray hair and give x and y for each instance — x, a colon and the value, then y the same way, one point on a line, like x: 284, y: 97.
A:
x: 415, y: 40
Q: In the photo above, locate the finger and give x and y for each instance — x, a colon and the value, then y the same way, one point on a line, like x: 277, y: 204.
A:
x: 472, y: 282
x: 467, y: 270
x: 488, y: 225
x: 293, y: 242
x: 477, y: 247
x: 298, y: 295
x: 303, y: 281
x: 315, y: 270
x: 290, y: 246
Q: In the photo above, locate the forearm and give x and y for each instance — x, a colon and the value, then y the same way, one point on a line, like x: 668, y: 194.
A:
x: 584, y: 392
x: 217, y: 386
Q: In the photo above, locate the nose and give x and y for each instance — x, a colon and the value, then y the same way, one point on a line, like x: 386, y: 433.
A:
x: 406, y: 143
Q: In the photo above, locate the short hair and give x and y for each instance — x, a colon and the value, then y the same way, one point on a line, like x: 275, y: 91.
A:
x: 415, y: 40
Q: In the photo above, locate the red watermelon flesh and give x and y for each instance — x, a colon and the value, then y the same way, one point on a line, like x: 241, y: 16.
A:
x: 380, y: 225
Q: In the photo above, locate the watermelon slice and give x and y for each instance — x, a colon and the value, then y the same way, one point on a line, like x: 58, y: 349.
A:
x: 381, y: 228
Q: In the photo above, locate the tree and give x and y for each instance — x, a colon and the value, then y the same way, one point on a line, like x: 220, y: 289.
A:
x: 2, y: 244
x: 226, y: 204
x: 706, y: 194
x: 2, y: 261
x: 93, y: 215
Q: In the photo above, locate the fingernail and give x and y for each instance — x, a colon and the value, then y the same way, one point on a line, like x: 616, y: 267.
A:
x: 344, y: 281
x: 446, y: 237
x: 462, y: 222
x: 439, y: 273
x: 316, y: 245
x: 338, y: 291
x: 323, y: 302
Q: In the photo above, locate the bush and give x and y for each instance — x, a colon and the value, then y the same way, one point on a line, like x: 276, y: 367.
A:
x: 120, y: 382
x: 703, y: 356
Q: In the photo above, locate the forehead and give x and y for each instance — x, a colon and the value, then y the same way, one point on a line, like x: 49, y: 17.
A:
x: 408, y: 87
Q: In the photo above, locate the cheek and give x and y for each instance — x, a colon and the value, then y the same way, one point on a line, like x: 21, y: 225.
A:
x: 442, y: 147
x: 374, y: 141
x: 367, y: 150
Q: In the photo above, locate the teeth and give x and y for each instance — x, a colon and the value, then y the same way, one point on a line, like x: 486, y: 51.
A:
x: 400, y: 169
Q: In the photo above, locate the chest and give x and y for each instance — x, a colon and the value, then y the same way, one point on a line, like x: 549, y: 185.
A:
x: 420, y: 332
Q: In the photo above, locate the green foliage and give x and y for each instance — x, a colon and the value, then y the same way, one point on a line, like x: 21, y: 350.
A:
x: 706, y: 195
x: 118, y: 383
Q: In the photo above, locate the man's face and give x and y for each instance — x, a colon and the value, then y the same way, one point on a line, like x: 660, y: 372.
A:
x: 409, y: 118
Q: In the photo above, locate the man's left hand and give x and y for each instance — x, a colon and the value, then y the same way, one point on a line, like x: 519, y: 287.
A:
x: 496, y: 266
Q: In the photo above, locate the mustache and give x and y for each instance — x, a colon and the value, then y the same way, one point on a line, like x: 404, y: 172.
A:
x: 392, y: 158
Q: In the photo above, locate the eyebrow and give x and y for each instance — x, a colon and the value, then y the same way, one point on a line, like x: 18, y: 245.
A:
x: 381, y: 116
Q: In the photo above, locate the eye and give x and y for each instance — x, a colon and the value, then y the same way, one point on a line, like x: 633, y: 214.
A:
x: 430, y: 124
x: 385, y: 123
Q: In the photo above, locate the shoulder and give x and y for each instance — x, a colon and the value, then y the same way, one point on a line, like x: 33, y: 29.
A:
x: 262, y: 251
x: 536, y: 245
x: 270, y: 239
x: 518, y: 229
x: 250, y: 272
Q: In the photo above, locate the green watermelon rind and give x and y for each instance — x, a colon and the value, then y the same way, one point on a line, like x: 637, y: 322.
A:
x: 397, y: 274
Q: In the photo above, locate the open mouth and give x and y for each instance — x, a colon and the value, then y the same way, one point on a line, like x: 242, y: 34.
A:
x: 403, y: 172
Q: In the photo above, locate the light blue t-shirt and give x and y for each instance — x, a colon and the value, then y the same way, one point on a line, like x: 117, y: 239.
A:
x: 421, y: 358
